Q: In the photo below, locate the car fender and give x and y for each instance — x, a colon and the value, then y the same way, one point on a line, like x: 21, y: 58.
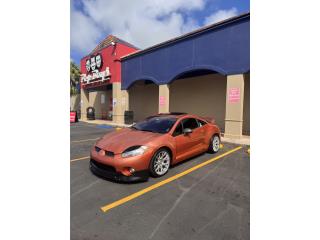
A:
x: 171, y: 148
x: 164, y: 144
x: 212, y: 130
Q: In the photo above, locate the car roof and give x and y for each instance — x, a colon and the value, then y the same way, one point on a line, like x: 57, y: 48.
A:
x: 176, y: 115
x: 169, y: 115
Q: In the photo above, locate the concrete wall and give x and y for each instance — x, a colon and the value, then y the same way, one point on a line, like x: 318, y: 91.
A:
x: 143, y: 100
x: 75, y: 102
x: 203, y: 95
x: 101, y: 109
x: 246, y: 107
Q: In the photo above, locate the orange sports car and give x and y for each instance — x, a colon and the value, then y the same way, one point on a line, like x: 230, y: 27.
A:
x: 151, y: 146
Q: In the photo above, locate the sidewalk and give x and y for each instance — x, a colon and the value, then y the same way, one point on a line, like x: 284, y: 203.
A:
x: 104, y: 122
x: 245, y: 140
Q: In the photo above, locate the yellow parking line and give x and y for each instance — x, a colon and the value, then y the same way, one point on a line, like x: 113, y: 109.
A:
x: 77, y: 159
x: 159, y: 184
x: 85, y: 140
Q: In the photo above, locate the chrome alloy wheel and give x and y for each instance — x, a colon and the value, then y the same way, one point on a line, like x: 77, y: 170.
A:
x: 162, y: 162
x: 215, y: 143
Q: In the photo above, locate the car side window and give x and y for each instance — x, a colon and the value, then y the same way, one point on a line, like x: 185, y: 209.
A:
x: 178, y: 130
x: 201, y: 123
x: 190, y: 123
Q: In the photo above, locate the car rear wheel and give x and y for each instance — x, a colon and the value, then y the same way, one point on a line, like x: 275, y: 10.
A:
x: 160, y: 163
x: 214, y: 145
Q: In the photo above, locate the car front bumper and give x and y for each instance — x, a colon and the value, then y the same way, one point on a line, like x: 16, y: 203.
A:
x: 110, y: 173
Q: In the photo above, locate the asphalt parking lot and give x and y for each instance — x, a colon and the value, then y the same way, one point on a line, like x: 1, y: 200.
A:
x: 211, y: 202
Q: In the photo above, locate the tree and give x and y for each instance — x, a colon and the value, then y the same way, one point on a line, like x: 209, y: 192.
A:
x: 74, y: 78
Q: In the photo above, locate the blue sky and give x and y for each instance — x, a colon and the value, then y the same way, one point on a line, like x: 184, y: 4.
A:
x: 143, y: 22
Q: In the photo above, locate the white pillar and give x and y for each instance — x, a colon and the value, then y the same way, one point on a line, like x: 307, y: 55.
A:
x: 84, y: 103
x: 120, y: 103
x: 234, y: 106
x: 164, y: 97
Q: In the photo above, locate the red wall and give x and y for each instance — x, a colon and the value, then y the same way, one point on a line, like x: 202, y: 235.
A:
x: 110, y: 58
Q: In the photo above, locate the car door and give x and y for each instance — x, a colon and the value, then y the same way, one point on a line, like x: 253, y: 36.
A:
x: 202, y: 130
x: 187, y: 145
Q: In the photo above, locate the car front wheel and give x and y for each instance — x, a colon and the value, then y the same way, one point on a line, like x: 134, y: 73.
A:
x: 160, y: 163
x: 214, y: 145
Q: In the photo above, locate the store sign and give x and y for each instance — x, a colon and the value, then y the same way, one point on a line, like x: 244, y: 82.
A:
x: 162, y: 100
x: 96, y: 76
x: 94, y: 73
x: 234, y: 95
x: 73, y: 117
x: 94, y: 63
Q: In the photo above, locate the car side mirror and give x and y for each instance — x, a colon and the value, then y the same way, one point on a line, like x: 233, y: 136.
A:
x: 186, y: 131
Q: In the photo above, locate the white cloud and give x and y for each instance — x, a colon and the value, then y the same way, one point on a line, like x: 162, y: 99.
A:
x: 142, y: 23
x: 84, y: 32
x: 220, y: 15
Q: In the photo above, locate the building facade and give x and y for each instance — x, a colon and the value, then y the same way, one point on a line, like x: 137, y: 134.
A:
x: 205, y: 72
x: 101, y: 78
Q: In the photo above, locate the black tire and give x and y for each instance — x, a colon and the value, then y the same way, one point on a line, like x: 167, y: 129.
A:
x: 152, y: 165
x: 212, y: 148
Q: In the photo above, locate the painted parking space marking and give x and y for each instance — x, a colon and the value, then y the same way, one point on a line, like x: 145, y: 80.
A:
x: 168, y: 180
x: 78, y: 159
x: 84, y: 188
x: 84, y: 140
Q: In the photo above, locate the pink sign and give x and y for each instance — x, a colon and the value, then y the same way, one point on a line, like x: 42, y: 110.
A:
x: 162, y: 100
x: 234, y: 95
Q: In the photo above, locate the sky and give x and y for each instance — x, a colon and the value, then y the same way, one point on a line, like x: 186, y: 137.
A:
x: 142, y: 23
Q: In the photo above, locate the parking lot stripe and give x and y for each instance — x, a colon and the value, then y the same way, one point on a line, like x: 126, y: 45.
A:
x: 168, y: 180
x: 85, y: 140
x: 77, y: 159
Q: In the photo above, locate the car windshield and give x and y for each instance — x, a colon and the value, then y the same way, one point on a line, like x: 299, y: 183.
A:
x: 155, y: 124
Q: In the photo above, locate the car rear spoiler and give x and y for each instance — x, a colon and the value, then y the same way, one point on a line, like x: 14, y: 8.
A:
x: 210, y: 119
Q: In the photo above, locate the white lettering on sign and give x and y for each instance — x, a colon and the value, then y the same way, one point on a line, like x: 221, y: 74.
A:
x: 234, y: 95
x: 162, y: 100
x: 96, y: 76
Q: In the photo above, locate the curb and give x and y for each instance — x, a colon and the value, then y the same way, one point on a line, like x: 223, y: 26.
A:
x: 105, y: 123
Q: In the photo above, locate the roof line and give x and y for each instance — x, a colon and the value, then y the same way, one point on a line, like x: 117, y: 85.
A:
x: 189, y: 34
x: 111, y: 37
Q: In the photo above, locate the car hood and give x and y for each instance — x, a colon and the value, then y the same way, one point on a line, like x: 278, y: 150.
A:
x: 118, y: 141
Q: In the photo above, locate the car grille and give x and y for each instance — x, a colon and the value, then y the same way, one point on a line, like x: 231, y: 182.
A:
x: 107, y: 153
x: 103, y: 166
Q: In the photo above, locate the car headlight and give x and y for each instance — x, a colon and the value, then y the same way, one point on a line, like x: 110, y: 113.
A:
x: 134, y: 151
